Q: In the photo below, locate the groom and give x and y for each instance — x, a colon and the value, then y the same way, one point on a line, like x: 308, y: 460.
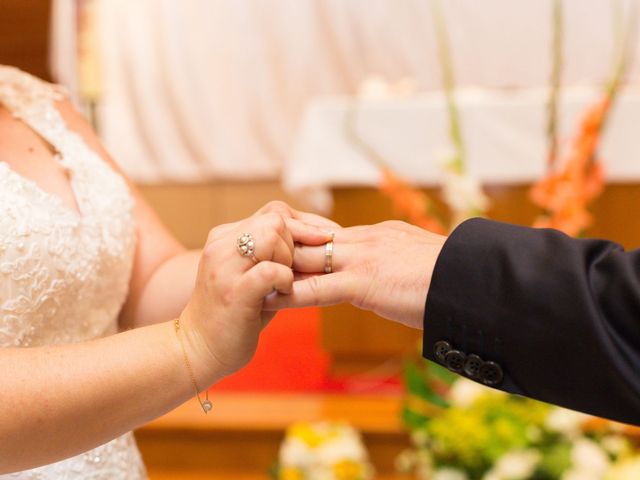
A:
x: 528, y: 311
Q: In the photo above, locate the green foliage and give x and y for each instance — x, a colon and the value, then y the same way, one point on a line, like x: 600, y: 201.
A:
x: 555, y: 462
x: 471, y: 429
x: 475, y: 438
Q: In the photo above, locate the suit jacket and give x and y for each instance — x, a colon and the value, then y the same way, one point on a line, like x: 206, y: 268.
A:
x: 537, y: 313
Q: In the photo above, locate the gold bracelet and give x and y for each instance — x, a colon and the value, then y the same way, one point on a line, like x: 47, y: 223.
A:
x: 206, y: 405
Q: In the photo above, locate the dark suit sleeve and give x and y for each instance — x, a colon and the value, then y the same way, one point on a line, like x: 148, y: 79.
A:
x: 547, y: 316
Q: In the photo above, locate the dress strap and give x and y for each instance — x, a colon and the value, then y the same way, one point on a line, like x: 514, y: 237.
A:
x: 32, y: 100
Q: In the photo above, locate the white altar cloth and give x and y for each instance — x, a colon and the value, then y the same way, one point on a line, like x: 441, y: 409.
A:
x: 504, y: 133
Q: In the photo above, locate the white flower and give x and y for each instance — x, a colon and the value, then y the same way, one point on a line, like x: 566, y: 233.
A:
x: 491, y: 475
x: 626, y: 470
x: 566, y: 422
x: 341, y: 448
x: 295, y: 453
x: 588, y: 457
x: 464, y: 393
x: 516, y: 465
x: 376, y: 88
x: 320, y: 472
x: 406, y: 461
x: 318, y: 447
x: 614, y: 444
x: 577, y: 474
x: 449, y: 474
x: 462, y: 193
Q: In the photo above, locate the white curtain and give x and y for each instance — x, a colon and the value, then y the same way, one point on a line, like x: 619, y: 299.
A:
x: 214, y: 89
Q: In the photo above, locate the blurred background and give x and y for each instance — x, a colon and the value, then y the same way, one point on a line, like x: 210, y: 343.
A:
x: 361, y: 110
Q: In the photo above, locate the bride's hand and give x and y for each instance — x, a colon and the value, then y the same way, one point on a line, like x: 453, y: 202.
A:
x: 224, y: 316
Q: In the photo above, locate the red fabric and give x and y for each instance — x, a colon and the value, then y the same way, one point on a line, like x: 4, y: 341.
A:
x: 289, y: 357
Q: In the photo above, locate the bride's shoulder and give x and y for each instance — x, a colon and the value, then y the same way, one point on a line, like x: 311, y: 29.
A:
x: 19, y: 86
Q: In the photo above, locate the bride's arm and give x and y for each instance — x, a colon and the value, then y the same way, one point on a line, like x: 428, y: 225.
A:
x: 57, y: 402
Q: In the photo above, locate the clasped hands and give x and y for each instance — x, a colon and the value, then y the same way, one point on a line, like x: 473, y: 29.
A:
x: 385, y: 268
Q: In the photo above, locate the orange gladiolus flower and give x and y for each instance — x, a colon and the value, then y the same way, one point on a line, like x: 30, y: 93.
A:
x: 565, y: 194
x: 409, y: 202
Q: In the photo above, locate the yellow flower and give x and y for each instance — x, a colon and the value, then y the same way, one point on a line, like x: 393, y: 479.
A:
x: 305, y: 433
x: 348, y: 470
x: 291, y: 473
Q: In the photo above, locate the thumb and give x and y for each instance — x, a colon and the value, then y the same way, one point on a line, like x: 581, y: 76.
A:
x: 315, y: 290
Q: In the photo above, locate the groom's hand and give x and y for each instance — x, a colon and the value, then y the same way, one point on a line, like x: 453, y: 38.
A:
x: 385, y: 268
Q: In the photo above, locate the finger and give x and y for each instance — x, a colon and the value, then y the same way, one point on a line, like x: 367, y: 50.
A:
x: 269, y: 246
x: 272, y: 241
x: 281, y: 253
x: 221, y: 230
x: 318, y: 290
x: 313, y: 219
x: 306, y: 233
x: 263, y: 279
x: 312, y: 259
x: 276, y: 206
x: 282, y: 208
x: 297, y: 276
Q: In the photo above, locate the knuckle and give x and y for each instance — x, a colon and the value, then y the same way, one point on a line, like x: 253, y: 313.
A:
x: 269, y: 240
x: 209, y: 252
x: 227, y: 295
x: 314, y: 287
x: 215, y: 233
x: 268, y: 272
x: 277, y: 206
x: 392, y: 224
x: 276, y: 222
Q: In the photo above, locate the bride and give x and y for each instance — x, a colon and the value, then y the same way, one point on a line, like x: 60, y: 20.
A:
x: 122, y: 324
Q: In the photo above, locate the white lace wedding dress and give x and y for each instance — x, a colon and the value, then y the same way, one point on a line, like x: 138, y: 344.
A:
x: 63, y: 275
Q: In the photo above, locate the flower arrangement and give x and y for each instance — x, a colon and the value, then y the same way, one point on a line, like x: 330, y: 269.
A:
x: 574, y: 181
x: 323, y: 451
x: 477, y: 433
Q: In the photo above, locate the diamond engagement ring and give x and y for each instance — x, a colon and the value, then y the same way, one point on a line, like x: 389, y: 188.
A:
x: 247, y: 247
x: 328, y: 255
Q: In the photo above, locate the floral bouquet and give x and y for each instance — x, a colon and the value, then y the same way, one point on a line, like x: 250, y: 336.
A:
x: 471, y: 432
x: 323, y: 451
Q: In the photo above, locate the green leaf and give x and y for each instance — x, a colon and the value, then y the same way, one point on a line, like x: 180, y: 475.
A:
x: 413, y: 420
x: 442, y: 373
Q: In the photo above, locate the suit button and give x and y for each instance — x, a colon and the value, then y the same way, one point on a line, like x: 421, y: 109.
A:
x: 473, y: 365
x: 440, y: 349
x: 491, y: 373
x: 454, y: 360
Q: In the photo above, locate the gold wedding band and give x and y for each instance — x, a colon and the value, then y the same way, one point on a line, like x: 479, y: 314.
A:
x: 328, y: 255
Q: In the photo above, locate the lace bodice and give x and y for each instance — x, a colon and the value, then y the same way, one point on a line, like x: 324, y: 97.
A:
x: 64, y: 275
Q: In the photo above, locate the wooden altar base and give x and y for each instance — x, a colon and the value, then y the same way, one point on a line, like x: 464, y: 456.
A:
x: 240, y: 438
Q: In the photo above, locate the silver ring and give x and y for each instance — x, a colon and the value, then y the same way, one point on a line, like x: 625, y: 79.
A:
x: 328, y: 255
x: 247, y: 247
